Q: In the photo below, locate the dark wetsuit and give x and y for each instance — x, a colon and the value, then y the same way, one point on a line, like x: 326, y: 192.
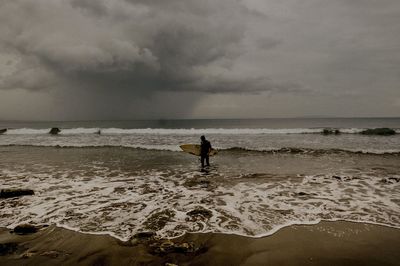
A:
x: 204, y: 150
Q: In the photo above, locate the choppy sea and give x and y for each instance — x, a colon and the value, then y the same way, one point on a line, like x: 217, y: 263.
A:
x: 122, y: 177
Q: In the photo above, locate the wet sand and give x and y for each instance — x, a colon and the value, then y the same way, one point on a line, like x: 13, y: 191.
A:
x: 327, y: 243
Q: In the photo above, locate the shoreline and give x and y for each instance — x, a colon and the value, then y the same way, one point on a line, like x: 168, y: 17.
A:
x: 267, y: 234
x: 324, y: 243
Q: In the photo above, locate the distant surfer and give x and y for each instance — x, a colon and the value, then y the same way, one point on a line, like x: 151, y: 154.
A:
x: 205, y: 149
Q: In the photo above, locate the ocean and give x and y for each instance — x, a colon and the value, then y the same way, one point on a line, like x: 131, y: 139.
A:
x: 124, y: 177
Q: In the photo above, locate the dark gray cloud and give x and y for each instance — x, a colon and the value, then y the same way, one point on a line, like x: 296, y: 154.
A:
x: 116, y: 57
x: 98, y: 8
x: 140, y: 46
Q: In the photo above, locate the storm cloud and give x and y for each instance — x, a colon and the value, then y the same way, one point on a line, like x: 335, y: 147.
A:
x: 126, y: 45
x: 148, y: 58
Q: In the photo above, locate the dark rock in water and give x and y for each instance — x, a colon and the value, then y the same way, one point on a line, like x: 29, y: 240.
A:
x: 24, y: 229
x: 330, y: 131
x: 167, y: 246
x: 184, y: 248
x: 2, y: 131
x: 158, y: 220
x: 385, y: 181
x: 197, y: 182
x: 54, y: 131
x: 199, y: 212
x: 390, y: 180
x: 379, y: 131
x: 301, y: 193
x: 285, y: 212
x: 337, y: 177
x: 326, y: 131
x: 144, y: 238
x: 11, y: 193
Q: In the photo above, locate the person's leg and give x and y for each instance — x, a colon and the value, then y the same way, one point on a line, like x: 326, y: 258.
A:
x: 202, y: 161
x: 208, y: 160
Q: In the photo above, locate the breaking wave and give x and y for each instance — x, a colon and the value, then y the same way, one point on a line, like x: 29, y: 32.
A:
x: 294, y: 141
x: 176, y: 148
x: 313, y: 151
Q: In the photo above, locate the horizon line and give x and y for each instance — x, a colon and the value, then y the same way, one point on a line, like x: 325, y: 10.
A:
x: 174, y: 119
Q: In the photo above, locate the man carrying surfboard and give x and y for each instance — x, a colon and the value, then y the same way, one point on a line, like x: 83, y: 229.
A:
x: 205, y: 149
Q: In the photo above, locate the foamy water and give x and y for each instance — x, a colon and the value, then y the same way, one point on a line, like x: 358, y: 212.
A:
x: 106, y: 190
x: 122, y: 177
x: 258, y: 139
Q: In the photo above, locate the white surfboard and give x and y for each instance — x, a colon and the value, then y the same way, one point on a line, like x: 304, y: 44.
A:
x: 195, y: 149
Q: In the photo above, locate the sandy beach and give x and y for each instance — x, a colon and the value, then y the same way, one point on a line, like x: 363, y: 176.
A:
x: 326, y: 243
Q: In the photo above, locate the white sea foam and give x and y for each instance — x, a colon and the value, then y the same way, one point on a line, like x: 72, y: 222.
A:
x: 80, y: 130
x: 175, y: 148
x: 121, y: 204
x: 351, y: 130
x: 27, y: 131
x: 195, y: 131
x: 224, y: 139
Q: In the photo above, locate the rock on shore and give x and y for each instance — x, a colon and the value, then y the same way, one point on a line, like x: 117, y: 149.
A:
x: 330, y: 131
x: 379, y: 131
x: 54, y: 131
x: 24, y: 229
x: 11, y: 193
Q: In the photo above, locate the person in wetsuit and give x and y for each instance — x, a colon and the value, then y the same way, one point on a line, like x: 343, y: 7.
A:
x: 205, y: 149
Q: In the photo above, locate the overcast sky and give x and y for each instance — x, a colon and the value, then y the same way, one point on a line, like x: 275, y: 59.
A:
x: 135, y: 59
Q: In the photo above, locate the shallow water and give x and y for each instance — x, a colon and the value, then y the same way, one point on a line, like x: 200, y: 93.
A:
x: 132, y: 176
x: 125, y: 190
